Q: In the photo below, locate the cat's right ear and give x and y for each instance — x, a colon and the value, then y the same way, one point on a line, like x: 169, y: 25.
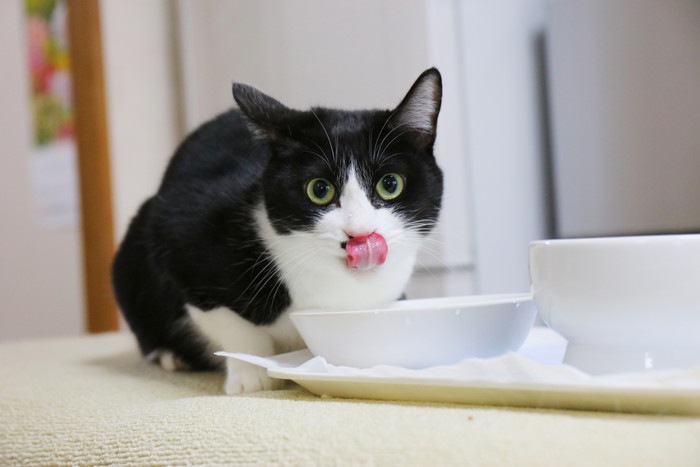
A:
x: 266, y: 116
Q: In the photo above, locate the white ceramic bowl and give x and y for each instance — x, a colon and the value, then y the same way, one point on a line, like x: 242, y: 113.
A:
x: 624, y: 303
x: 419, y: 333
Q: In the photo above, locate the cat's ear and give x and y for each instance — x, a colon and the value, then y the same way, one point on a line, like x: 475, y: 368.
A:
x: 417, y: 113
x: 266, y: 116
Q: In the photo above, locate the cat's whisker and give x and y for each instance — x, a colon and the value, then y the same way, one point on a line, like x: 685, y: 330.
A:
x: 256, y: 262
x: 410, y: 223
x: 324, y: 159
x: 325, y: 155
x: 277, y: 269
x: 385, y: 160
x: 386, y: 148
x: 438, y: 259
x: 293, y: 265
x: 382, y: 147
x: 421, y: 226
x: 284, y: 274
x: 265, y: 272
x: 289, y: 267
x: 337, y: 147
x: 379, y: 135
x: 330, y: 144
x: 426, y: 269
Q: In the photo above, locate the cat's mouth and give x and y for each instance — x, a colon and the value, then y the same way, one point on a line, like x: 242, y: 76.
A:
x: 366, y: 251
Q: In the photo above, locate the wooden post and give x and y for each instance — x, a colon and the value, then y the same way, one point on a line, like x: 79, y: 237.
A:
x: 85, y: 43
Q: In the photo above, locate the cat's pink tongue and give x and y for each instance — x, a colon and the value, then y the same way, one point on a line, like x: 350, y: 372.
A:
x: 366, y: 252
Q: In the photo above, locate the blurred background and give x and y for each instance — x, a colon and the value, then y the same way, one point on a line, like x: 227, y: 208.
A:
x: 561, y: 118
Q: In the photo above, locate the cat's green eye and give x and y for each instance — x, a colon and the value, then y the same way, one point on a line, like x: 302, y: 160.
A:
x: 320, y: 191
x: 390, y: 186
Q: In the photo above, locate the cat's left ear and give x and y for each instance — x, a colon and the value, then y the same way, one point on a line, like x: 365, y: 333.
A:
x: 266, y: 116
x: 417, y: 113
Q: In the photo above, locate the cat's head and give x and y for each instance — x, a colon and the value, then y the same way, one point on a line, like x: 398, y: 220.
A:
x: 358, y: 187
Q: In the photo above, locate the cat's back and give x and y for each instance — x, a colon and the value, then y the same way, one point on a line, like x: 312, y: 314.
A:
x: 221, y: 147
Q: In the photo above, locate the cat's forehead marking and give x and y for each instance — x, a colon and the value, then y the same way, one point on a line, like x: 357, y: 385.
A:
x: 362, y: 173
x: 358, y: 212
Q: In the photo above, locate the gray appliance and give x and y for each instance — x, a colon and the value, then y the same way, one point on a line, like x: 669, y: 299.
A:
x: 624, y: 82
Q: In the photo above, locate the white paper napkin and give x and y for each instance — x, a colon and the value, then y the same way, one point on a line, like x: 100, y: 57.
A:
x: 538, y: 362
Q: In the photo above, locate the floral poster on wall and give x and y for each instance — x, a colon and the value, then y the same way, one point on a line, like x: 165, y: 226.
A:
x: 53, y: 163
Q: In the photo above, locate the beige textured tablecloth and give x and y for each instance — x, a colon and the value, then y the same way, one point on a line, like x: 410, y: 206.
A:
x: 92, y: 401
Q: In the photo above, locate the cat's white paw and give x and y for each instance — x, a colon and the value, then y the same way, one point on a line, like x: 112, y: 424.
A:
x: 167, y: 360
x: 243, y: 377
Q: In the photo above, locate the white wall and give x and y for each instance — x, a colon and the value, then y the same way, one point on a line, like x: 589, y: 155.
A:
x: 142, y: 99
x: 40, y: 270
x: 505, y: 137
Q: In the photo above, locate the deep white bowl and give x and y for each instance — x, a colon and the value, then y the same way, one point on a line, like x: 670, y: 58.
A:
x: 624, y: 303
x: 419, y: 333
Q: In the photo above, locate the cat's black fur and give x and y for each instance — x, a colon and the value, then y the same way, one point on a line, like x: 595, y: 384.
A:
x: 195, y: 241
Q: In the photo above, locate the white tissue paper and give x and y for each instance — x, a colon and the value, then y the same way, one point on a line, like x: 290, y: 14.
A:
x: 539, y: 362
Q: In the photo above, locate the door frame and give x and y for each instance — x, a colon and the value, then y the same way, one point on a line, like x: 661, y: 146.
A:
x: 90, y: 106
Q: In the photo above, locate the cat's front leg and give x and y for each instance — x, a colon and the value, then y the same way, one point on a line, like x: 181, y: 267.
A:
x: 230, y: 332
x: 244, y: 377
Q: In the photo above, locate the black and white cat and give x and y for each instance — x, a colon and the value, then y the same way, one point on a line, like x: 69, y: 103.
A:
x: 265, y: 210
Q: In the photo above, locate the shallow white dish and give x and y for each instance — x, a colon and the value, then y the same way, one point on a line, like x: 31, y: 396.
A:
x: 419, y: 333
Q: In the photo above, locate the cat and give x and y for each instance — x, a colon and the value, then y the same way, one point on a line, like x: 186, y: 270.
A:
x: 265, y: 210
